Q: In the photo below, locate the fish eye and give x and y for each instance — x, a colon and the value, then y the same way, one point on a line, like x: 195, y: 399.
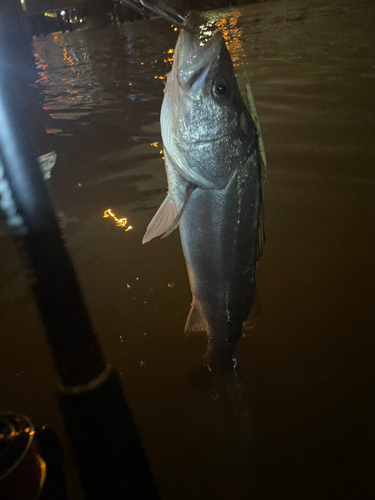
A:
x: 221, y: 89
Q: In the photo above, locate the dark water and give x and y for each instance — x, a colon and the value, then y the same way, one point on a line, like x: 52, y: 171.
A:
x: 305, y: 429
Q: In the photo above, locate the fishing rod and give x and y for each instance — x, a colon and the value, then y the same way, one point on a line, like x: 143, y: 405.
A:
x: 163, y: 10
x: 108, y: 450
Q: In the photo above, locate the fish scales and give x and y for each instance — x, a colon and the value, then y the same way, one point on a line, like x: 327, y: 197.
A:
x: 213, y: 168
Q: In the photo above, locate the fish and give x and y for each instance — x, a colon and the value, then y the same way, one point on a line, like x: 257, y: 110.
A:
x: 213, y: 167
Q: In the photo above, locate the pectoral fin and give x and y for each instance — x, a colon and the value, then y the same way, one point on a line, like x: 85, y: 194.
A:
x: 189, y: 189
x: 166, y: 218
x: 162, y: 220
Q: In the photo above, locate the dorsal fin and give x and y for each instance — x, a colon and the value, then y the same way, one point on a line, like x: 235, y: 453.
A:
x: 261, y: 234
x: 255, y: 311
x: 254, y: 116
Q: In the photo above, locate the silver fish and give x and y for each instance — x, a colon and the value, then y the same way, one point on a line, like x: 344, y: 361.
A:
x: 213, y: 166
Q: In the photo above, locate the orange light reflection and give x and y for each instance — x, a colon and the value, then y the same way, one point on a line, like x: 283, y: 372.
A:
x: 119, y: 222
x: 232, y: 35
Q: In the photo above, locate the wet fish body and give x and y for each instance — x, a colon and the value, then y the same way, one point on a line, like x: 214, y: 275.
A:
x: 213, y: 167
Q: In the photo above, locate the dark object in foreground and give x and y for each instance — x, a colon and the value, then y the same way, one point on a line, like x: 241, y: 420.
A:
x: 92, y: 394
x: 101, y: 426
x: 31, y: 461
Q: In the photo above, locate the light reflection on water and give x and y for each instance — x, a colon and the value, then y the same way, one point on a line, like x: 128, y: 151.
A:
x: 123, y: 222
x: 296, y: 422
x: 85, y: 72
x: 231, y: 30
x: 232, y: 35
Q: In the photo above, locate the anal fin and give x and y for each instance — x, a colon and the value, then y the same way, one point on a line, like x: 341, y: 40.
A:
x: 194, y: 322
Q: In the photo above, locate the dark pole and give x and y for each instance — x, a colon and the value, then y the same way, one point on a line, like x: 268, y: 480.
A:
x: 109, y: 453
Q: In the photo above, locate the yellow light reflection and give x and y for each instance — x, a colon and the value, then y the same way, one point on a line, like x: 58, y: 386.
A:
x: 119, y: 222
x: 168, y: 60
x: 72, y: 60
x: 232, y: 35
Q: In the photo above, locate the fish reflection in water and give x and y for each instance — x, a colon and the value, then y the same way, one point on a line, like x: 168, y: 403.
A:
x: 213, y: 167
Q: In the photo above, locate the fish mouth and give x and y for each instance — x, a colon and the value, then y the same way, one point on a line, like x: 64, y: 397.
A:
x: 194, y: 60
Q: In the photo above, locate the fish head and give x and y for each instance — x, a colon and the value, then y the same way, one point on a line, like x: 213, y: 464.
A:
x: 206, y: 126
x: 209, y: 93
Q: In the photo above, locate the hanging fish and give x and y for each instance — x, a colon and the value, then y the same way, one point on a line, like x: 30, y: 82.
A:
x: 213, y: 165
